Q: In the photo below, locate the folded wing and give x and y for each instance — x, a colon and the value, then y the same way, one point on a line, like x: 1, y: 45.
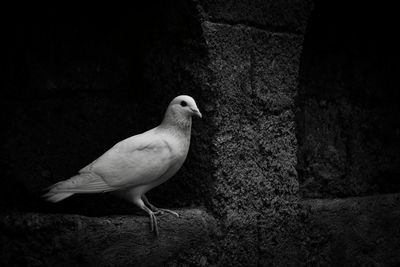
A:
x: 137, y: 160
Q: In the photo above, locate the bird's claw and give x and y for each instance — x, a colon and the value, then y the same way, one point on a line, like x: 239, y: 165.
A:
x: 153, y: 218
x: 162, y: 211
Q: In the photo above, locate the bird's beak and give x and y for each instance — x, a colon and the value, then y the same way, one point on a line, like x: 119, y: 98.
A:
x: 196, y: 112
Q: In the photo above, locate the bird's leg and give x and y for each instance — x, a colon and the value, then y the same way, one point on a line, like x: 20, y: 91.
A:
x: 157, y: 210
x: 152, y: 215
x: 146, y: 201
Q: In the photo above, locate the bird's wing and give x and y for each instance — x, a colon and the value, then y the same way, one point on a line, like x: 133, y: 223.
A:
x: 131, y: 143
x: 138, y: 160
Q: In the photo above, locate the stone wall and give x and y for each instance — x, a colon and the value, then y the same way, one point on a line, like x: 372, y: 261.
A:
x: 360, y: 231
x: 255, y: 179
x: 347, y: 132
x: 348, y: 124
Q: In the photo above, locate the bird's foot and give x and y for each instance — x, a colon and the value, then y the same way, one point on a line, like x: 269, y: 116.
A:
x: 162, y: 211
x: 153, y: 223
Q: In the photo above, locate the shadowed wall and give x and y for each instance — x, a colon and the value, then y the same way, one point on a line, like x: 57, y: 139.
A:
x: 348, y: 123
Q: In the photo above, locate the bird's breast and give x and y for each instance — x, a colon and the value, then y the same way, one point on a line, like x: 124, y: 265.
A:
x: 179, y: 148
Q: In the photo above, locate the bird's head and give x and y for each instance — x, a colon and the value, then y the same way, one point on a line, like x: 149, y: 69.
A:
x: 185, y: 105
x: 180, y: 112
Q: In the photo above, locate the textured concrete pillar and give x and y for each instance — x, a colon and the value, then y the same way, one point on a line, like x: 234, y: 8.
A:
x: 254, y: 50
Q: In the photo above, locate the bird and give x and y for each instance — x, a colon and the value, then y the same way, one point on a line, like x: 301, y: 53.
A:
x: 137, y: 164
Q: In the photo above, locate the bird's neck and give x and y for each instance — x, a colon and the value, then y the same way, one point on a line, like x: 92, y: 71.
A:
x: 177, y: 121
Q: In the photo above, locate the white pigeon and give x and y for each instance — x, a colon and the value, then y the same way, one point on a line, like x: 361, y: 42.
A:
x: 139, y: 163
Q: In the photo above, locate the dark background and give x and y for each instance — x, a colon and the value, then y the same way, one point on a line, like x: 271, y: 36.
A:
x: 348, y: 120
x: 79, y: 79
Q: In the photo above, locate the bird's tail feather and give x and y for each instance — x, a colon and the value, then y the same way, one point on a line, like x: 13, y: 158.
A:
x: 56, y: 197
x: 78, y: 184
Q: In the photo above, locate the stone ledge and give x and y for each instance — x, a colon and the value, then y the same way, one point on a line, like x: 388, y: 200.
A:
x: 34, y: 239
x: 360, y: 231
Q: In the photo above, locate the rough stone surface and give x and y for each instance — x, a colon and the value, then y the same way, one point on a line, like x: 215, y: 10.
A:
x: 33, y: 239
x: 255, y: 178
x: 360, y: 231
x: 255, y: 140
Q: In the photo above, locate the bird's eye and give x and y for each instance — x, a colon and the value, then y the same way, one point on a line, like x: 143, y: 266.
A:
x: 183, y: 103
